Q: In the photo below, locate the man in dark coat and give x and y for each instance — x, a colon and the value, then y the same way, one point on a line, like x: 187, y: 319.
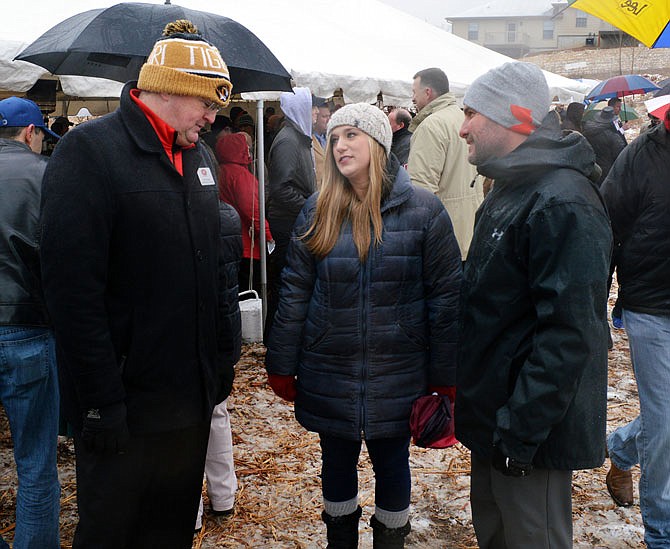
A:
x: 637, y: 194
x: 532, y: 370
x: 136, y: 282
x: 292, y: 179
x: 605, y: 140
x: 399, y: 120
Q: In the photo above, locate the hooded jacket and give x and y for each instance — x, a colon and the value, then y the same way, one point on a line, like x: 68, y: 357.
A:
x: 291, y: 162
x: 21, y: 170
x: 239, y: 188
x: 138, y: 274
x: 533, y: 344
x: 637, y: 195
x: 366, y: 339
x: 438, y: 161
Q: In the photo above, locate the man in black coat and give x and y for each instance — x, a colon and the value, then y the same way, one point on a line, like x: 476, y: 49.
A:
x: 142, y: 297
x: 532, y: 371
x: 605, y: 140
x: 399, y: 120
x: 292, y: 180
x: 637, y: 194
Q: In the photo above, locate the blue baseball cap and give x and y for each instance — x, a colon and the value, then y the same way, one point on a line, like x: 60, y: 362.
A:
x: 16, y: 112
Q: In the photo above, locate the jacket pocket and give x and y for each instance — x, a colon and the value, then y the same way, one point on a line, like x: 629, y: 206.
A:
x: 312, y: 343
x: 415, y: 335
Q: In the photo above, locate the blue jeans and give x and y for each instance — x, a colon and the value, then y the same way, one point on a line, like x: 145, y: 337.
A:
x: 646, y: 440
x: 390, y: 461
x: 29, y: 394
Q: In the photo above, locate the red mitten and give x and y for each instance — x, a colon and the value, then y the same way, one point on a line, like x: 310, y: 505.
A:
x: 448, y: 390
x: 283, y: 386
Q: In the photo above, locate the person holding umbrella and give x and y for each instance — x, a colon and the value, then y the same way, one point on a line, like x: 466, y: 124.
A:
x: 367, y: 320
x: 137, y: 284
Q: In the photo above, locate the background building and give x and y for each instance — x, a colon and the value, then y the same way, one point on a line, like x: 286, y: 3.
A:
x: 517, y: 27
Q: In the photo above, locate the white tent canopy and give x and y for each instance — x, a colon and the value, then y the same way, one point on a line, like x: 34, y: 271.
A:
x: 363, y: 47
x: 19, y: 76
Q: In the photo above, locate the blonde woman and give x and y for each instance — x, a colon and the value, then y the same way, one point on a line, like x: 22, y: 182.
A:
x: 367, y: 320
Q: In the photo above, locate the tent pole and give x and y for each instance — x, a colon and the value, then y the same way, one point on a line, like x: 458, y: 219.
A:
x: 260, y: 170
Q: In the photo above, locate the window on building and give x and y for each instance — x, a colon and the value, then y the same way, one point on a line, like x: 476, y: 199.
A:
x: 473, y: 31
x: 548, y: 30
x: 580, y: 21
x: 511, y: 32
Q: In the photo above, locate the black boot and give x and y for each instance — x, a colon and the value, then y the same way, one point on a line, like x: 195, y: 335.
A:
x: 388, y: 538
x: 342, y: 532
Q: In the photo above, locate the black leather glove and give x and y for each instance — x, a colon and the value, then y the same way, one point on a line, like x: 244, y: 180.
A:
x: 509, y: 466
x: 105, y: 430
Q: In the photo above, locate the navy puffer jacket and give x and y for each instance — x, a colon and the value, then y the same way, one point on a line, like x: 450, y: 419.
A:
x: 365, y: 339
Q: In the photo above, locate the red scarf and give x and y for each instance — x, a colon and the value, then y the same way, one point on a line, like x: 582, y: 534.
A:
x: 166, y: 133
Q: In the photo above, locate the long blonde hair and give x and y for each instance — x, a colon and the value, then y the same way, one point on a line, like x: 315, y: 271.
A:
x: 337, y: 202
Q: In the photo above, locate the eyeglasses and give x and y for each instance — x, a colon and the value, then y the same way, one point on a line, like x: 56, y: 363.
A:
x: 211, y: 106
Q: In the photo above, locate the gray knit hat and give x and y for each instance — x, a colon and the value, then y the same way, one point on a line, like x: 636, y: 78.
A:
x: 366, y: 118
x: 515, y: 95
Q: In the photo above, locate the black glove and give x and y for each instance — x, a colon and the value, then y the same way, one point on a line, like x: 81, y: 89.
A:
x: 509, y: 466
x: 105, y: 430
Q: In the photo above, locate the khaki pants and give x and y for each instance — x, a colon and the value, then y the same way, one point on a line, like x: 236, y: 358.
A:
x: 219, y: 466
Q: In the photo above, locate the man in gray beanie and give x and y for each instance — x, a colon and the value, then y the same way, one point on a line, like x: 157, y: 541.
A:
x: 532, y: 378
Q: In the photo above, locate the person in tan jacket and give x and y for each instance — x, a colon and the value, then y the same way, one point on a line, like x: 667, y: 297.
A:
x: 438, y: 156
x: 322, y: 116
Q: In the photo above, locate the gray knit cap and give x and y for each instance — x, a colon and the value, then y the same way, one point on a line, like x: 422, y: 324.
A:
x: 366, y: 118
x: 515, y: 95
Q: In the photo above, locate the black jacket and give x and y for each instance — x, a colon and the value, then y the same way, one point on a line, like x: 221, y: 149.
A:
x: 606, y: 141
x: 533, y: 346
x: 134, y: 275
x: 21, y: 170
x: 365, y: 340
x: 637, y: 194
x: 400, y: 144
x: 291, y: 174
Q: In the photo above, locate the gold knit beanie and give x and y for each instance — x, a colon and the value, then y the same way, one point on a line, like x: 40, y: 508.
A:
x: 184, y: 63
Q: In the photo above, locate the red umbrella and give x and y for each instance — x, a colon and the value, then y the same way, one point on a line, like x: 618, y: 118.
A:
x: 620, y: 86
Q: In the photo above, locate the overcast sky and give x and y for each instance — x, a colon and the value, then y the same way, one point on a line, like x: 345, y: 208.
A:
x: 28, y: 19
x: 434, y: 11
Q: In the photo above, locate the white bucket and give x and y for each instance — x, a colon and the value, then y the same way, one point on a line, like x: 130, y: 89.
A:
x: 251, y: 312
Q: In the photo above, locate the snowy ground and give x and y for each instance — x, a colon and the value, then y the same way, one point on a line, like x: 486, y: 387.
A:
x: 279, y: 501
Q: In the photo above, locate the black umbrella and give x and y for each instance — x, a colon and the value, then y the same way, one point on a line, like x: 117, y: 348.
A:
x: 114, y: 42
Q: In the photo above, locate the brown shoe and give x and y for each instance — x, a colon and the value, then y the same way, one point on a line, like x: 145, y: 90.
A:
x: 620, y: 486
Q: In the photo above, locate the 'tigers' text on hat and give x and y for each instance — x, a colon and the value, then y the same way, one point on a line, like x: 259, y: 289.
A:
x: 17, y: 112
x: 184, y: 63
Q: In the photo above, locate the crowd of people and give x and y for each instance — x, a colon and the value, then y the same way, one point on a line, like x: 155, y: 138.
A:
x: 464, y: 251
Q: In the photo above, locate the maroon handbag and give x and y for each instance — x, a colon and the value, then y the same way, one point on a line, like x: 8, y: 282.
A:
x: 431, y: 421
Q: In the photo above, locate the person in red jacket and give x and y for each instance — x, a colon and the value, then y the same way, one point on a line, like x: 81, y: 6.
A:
x: 239, y: 188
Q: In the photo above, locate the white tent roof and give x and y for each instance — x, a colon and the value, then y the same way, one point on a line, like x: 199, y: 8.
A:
x: 361, y: 46
x: 16, y: 76
x: 365, y: 46
x: 19, y: 76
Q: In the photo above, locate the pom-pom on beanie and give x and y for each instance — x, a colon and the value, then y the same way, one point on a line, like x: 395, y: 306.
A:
x: 184, y: 63
x: 366, y: 118
x: 515, y: 95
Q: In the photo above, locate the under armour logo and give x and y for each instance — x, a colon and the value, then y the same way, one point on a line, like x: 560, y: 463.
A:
x: 497, y: 234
